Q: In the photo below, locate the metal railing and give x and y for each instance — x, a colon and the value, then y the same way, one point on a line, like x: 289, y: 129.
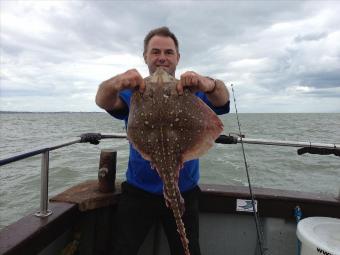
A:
x: 281, y: 142
x: 45, y: 151
x: 94, y: 138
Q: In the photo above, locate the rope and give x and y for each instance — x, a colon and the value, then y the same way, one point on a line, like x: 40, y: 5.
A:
x: 92, y: 138
x: 319, y: 151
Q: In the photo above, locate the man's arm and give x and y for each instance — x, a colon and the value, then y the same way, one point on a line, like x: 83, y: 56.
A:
x: 107, y: 96
x: 215, y: 90
x: 218, y: 95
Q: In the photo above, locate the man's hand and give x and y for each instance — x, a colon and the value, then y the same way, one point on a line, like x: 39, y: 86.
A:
x: 128, y: 80
x: 215, y: 90
x: 195, y: 82
x: 108, y: 92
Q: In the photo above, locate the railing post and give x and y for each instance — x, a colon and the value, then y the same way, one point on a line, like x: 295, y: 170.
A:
x: 44, y: 212
x: 107, y: 170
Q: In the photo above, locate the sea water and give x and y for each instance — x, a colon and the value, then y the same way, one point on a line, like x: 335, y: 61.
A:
x: 269, y: 166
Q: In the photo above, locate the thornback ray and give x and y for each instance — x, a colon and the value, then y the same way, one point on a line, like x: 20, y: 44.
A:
x: 168, y: 129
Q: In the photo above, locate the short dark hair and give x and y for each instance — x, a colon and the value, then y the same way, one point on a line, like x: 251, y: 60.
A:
x: 161, y: 31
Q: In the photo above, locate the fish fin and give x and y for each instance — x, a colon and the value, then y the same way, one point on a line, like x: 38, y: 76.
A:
x: 211, y: 128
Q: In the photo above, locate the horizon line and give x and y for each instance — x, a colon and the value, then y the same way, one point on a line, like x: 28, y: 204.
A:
x: 2, y: 111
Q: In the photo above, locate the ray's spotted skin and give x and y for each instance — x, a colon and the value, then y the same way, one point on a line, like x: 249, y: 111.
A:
x: 169, y: 129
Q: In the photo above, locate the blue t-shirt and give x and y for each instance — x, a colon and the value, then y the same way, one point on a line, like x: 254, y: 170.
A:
x: 139, y: 172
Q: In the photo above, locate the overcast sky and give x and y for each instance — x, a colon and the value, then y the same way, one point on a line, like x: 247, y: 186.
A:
x: 281, y: 56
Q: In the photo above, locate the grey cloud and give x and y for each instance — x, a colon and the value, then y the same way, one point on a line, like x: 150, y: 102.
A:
x: 217, y: 38
x: 324, y: 93
x: 311, y: 37
x: 325, y: 79
x: 121, y: 26
x: 198, y: 26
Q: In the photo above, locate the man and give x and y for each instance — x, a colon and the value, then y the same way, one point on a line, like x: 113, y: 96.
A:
x: 142, y: 203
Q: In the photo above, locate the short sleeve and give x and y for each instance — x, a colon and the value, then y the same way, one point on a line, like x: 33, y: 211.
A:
x: 125, y: 95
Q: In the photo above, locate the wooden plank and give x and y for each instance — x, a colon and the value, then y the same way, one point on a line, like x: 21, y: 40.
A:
x: 87, y: 196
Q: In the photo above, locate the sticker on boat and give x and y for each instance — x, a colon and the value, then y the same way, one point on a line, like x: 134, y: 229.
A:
x: 245, y: 205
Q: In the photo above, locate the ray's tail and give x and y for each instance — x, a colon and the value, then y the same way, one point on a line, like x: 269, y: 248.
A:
x: 176, y: 203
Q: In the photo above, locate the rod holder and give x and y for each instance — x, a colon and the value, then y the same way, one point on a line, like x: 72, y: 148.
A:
x: 44, y: 212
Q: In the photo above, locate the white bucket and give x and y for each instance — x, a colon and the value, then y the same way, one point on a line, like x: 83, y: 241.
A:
x: 319, y: 235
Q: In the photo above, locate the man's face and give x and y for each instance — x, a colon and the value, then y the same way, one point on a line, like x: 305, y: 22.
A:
x: 161, y: 52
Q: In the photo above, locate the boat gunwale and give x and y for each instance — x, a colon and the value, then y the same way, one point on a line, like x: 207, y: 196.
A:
x: 31, y: 234
x: 274, y: 203
x: 268, y: 193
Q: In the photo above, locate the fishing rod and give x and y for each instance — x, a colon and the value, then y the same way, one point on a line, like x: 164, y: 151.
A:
x: 257, y: 223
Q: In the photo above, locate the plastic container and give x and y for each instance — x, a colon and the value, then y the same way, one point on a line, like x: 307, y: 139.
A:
x: 319, y: 235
